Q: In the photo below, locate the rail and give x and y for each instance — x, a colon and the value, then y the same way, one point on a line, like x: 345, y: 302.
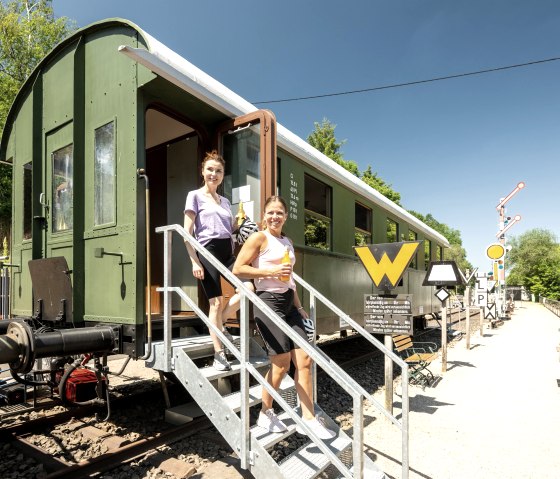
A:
x: 551, y: 304
x: 403, y: 425
x: 355, y: 390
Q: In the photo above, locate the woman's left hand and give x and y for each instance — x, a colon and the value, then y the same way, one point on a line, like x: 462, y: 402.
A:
x: 303, y: 313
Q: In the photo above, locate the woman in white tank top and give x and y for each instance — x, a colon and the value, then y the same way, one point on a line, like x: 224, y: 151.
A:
x: 262, y: 259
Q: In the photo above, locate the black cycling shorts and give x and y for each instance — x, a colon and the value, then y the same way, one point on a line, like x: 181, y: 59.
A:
x: 221, y: 249
x: 282, y: 304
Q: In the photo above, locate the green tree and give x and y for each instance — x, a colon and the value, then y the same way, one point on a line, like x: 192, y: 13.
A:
x: 324, y: 139
x: 534, y: 262
x: 455, y: 252
x: 453, y: 235
x: 380, y: 185
x: 28, y: 31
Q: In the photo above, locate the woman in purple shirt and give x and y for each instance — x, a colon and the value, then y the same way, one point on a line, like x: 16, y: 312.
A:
x: 208, y: 217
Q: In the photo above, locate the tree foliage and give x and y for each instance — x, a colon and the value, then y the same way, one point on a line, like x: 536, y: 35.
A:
x: 380, y: 185
x: 28, y: 31
x: 453, y: 235
x: 323, y: 138
x: 534, y: 262
x: 456, y: 252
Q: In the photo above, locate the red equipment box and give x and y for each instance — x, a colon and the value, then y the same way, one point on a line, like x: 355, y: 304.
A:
x: 80, y: 386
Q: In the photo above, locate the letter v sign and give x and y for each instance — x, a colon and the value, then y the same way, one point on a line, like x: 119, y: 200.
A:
x: 387, y: 262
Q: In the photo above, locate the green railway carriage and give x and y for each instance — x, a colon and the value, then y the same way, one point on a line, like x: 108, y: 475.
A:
x: 111, y: 100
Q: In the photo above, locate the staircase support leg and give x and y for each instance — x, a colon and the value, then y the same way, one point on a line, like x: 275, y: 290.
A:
x: 245, y: 442
x: 358, y: 443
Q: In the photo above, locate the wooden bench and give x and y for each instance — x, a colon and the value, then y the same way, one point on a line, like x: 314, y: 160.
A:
x: 418, y: 356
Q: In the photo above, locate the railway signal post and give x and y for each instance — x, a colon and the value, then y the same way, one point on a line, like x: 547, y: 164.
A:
x: 387, y: 314
x: 441, y: 274
x: 504, y: 223
x: 468, y: 276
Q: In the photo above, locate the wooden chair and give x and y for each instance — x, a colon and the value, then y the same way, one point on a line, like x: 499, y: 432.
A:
x: 418, y: 356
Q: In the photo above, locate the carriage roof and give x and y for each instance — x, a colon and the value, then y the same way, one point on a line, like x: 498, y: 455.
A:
x: 179, y: 71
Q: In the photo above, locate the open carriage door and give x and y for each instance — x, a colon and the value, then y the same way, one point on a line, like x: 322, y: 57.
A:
x: 248, y: 145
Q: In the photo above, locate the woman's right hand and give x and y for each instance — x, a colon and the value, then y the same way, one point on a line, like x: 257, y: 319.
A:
x: 198, y: 271
x: 284, y: 269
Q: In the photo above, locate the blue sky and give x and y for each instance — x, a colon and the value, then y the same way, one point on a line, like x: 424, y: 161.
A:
x: 451, y: 148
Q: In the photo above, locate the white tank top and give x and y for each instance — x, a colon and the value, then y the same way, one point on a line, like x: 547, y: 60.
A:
x: 271, y: 256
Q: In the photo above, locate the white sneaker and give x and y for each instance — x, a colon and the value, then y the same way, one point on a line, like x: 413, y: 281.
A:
x: 317, y: 425
x: 269, y: 420
x: 220, y: 362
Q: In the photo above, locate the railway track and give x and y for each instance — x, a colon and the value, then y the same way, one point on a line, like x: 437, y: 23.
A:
x: 71, y: 443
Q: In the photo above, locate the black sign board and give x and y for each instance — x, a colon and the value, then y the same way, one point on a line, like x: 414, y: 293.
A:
x: 388, y: 314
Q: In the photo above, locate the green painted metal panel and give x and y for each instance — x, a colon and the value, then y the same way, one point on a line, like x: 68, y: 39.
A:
x: 344, y: 220
x: 110, y: 95
x: 292, y: 190
x: 111, y: 278
x: 21, y: 151
x: 21, y: 293
x: 61, y: 240
x: 58, y: 91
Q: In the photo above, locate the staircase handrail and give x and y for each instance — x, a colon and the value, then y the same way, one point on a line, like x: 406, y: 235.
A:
x: 404, y: 423
x: 313, y: 292
x: 320, y: 358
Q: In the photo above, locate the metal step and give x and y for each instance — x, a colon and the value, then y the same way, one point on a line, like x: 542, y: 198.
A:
x: 255, y: 394
x: 196, y: 347
x: 309, y: 461
x: 268, y: 439
x: 211, y: 373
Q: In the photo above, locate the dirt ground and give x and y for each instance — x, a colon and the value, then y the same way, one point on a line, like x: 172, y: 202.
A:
x: 495, y: 412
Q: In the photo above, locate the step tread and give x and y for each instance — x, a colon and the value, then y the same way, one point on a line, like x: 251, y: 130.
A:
x: 309, y: 460
x: 268, y: 439
x: 211, y: 373
x: 255, y: 394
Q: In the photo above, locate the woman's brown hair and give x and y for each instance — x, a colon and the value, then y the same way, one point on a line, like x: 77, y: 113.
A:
x: 213, y: 155
x: 272, y: 199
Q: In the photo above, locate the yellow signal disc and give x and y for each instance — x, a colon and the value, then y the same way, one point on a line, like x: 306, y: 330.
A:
x: 495, y: 251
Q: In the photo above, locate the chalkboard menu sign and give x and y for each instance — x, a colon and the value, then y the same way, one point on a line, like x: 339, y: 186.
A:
x: 388, y: 314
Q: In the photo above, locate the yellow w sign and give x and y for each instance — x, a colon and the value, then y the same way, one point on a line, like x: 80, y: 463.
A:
x: 387, y: 262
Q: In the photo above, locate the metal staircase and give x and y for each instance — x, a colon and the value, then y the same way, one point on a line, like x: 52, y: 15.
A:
x: 230, y: 413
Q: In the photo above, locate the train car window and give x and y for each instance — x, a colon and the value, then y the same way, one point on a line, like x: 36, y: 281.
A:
x: 439, y: 253
x: 427, y: 253
x: 392, y: 231
x: 63, y: 189
x: 27, y: 198
x: 362, y: 229
x: 104, y: 175
x: 413, y: 236
x: 241, y: 150
x: 317, y: 213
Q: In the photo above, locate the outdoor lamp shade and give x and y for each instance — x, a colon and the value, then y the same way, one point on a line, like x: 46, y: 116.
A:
x: 443, y: 273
